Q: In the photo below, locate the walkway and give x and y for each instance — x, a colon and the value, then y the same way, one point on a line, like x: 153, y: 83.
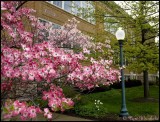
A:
x: 62, y: 117
x: 56, y: 117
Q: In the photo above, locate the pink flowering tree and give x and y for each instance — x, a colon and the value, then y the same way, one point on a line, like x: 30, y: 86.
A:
x: 32, y: 63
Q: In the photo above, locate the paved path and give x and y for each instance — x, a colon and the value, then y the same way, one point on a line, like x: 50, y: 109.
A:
x: 62, y: 117
x: 56, y: 117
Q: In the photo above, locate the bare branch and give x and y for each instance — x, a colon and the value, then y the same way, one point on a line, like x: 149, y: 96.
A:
x: 152, y: 37
x: 21, y: 5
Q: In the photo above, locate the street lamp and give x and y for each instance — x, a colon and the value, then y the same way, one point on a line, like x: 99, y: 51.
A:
x: 157, y: 41
x: 157, y: 44
x: 120, y: 35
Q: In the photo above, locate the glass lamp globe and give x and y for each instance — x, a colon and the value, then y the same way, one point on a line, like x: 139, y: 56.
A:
x: 157, y: 40
x: 120, y: 34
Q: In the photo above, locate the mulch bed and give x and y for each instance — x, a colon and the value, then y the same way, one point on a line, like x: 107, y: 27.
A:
x: 115, y: 117
x: 131, y: 118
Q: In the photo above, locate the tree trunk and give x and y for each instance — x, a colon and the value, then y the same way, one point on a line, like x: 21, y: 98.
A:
x: 146, y: 84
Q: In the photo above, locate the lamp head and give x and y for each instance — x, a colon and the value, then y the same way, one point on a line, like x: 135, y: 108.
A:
x: 157, y: 40
x: 120, y: 34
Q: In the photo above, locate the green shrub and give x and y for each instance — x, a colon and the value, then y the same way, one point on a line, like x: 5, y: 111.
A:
x: 152, y: 83
x: 86, y: 107
x: 89, y: 111
x: 128, y: 84
x: 69, y: 91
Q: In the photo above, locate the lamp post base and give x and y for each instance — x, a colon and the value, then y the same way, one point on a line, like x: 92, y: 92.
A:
x: 124, y: 114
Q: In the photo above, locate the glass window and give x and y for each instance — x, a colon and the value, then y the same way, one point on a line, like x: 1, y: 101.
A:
x: 67, y: 6
x: 58, y: 3
x: 91, y: 10
x: 81, y: 9
x: 84, y: 10
x: 76, y: 6
x: 56, y: 26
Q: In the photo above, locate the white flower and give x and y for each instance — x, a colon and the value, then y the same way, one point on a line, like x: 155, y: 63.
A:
x: 123, y: 66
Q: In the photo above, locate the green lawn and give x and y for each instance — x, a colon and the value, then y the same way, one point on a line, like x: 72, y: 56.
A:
x: 111, y: 100
x: 112, y: 103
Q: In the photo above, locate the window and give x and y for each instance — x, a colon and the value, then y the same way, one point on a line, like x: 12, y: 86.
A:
x: 81, y: 9
x: 84, y: 14
x: 56, y: 26
x: 67, y: 6
x: 58, y: 3
x: 91, y: 10
x: 76, y: 6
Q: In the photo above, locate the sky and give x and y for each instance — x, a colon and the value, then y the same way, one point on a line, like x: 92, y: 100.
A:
x: 120, y: 4
x: 128, y: 11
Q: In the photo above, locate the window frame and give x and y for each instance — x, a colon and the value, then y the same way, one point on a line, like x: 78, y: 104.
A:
x: 90, y: 20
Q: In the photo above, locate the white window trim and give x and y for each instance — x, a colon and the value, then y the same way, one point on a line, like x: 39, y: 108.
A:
x: 72, y: 3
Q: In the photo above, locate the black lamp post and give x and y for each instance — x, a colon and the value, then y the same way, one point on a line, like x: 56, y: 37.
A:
x: 120, y: 35
x: 157, y: 44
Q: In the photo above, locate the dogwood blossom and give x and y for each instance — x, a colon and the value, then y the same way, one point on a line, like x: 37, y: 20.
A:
x: 28, y: 56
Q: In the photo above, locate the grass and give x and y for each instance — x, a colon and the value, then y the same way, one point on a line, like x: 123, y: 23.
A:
x: 111, y: 99
x: 112, y: 102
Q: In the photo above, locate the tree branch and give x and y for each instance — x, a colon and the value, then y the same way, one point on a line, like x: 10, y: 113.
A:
x: 21, y: 5
x: 152, y: 5
x: 152, y: 37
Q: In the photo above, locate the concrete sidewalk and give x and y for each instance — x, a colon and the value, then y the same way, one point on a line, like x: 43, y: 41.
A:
x: 56, y: 117
x: 62, y: 117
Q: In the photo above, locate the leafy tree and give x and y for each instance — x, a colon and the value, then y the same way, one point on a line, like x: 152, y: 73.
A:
x: 141, y: 27
x: 141, y: 50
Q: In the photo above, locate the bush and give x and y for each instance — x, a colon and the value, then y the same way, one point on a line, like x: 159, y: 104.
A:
x: 152, y: 83
x: 90, y: 111
x: 131, y: 83
x: 88, y: 107
x: 69, y: 91
x: 128, y: 84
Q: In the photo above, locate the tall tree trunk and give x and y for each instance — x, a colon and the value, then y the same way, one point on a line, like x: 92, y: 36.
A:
x: 146, y: 84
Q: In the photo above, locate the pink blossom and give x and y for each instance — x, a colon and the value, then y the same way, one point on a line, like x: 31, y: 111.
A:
x: 32, y: 112
x: 28, y: 57
x: 47, y: 113
x: 49, y: 116
x: 86, y: 51
x: 3, y: 6
x: 46, y: 95
x: 46, y: 110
